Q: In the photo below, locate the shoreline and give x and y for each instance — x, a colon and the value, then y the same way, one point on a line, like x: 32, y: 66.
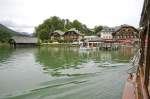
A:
x: 4, y: 45
x: 58, y: 44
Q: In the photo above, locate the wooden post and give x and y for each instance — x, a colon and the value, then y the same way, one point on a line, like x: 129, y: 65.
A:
x: 147, y: 64
x: 142, y: 46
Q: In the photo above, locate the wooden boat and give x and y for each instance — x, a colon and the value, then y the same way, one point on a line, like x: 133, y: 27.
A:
x: 138, y: 83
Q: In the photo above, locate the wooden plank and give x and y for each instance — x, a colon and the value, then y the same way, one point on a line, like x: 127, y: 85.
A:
x: 147, y: 64
x: 130, y: 88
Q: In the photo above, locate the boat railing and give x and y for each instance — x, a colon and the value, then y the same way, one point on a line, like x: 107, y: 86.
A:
x: 134, y: 63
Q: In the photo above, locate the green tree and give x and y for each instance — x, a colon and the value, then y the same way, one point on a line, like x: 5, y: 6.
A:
x: 81, y: 27
x: 48, y: 26
x: 78, y: 25
x: 43, y: 35
x: 68, y: 24
x: 55, y: 23
x: 4, y: 36
x: 98, y: 28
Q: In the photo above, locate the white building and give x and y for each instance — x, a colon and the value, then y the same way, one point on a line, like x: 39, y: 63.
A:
x: 106, y: 33
x: 92, y: 38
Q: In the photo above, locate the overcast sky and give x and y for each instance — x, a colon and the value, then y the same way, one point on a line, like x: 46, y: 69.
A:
x: 24, y: 15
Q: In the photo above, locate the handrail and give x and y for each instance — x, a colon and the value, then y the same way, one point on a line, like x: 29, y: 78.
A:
x: 134, y: 62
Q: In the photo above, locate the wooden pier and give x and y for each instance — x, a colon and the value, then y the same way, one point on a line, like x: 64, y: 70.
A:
x: 101, y: 45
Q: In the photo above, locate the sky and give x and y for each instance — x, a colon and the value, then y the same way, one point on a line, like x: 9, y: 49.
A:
x: 24, y: 15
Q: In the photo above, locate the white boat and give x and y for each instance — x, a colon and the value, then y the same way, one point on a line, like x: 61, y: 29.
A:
x: 85, y: 48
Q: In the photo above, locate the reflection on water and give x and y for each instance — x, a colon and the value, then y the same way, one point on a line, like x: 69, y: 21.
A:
x: 4, y: 54
x: 62, y: 73
x: 66, y: 57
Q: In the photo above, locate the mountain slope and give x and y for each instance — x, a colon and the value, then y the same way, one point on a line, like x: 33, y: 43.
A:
x: 12, y: 32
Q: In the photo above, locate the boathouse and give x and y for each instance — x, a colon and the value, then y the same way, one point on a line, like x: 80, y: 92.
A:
x: 22, y: 41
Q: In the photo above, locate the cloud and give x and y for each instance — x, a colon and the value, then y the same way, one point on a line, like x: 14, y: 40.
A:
x: 23, y: 15
x: 17, y: 26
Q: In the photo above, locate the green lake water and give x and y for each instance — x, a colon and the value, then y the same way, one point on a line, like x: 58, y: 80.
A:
x: 63, y: 73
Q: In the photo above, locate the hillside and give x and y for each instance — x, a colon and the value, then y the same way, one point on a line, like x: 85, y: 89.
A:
x: 12, y: 32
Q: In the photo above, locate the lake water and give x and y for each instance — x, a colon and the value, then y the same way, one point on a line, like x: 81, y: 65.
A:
x: 63, y: 73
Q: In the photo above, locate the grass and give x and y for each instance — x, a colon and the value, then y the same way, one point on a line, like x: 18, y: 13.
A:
x: 4, y: 44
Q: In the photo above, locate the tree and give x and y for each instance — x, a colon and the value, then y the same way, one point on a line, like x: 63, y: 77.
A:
x: 81, y: 27
x: 43, y: 35
x: 49, y: 25
x: 77, y: 25
x: 98, y: 28
x: 55, y: 23
x: 4, y: 36
x: 68, y: 24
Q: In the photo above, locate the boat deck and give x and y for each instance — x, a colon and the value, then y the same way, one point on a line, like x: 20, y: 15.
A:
x: 130, y: 88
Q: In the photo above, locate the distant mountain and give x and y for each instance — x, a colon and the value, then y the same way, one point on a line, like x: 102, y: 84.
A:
x: 12, y: 32
x: 26, y: 33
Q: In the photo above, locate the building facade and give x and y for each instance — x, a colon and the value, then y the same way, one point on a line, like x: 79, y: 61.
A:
x: 56, y: 35
x: 106, y: 33
x: 72, y: 35
x: 126, y: 34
